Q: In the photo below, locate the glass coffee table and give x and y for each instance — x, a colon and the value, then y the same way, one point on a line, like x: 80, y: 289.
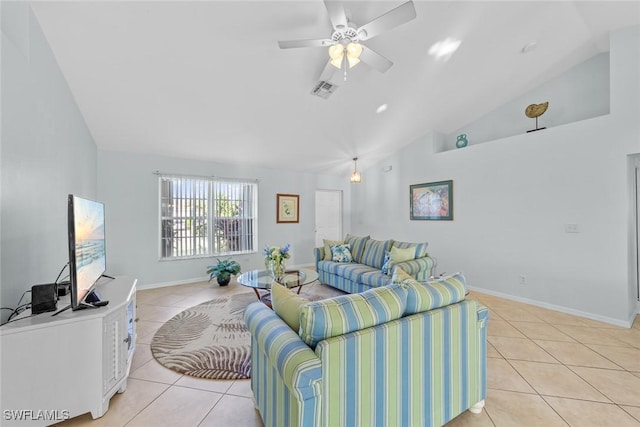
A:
x: 261, y: 280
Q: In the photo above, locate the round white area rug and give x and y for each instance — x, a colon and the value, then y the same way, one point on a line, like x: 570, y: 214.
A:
x: 209, y: 340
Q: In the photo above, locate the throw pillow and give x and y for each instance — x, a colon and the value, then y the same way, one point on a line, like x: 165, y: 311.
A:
x: 327, y: 248
x: 286, y: 305
x: 374, y: 250
x: 386, y: 263
x: 357, y: 246
x: 401, y: 255
x: 421, y: 248
x: 397, y: 255
x: 340, y: 315
x: 423, y: 296
x: 341, y: 253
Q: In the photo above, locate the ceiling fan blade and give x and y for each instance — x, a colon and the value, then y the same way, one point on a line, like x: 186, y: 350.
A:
x: 336, y: 15
x: 375, y: 60
x: 328, y: 72
x: 400, y: 15
x: 288, y: 44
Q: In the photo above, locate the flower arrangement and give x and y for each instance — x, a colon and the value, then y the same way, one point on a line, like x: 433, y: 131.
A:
x: 274, y: 260
x: 277, y: 254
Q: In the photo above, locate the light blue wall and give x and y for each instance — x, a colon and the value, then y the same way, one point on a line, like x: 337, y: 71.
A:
x: 129, y: 189
x: 513, y: 197
x: 47, y: 152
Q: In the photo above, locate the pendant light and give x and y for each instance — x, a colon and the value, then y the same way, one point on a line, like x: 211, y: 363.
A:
x: 355, y: 176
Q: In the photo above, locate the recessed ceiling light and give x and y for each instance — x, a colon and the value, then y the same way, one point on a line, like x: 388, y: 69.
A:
x: 381, y: 108
x: 443, y: 49
x: 529, y: 47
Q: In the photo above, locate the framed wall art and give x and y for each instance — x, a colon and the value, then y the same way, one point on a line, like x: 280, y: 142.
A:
x: 433, y: 200
x: 287, y: 208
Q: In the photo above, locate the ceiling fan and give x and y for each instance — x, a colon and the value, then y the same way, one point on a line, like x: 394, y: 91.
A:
x: 345, y: 46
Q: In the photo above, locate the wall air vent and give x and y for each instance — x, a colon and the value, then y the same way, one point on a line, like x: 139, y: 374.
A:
x: 324, y: 89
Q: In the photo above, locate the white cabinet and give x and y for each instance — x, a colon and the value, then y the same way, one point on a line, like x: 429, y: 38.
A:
x: 57, y: 367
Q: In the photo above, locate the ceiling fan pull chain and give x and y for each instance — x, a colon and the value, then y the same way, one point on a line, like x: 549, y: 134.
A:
x: 345, y: 69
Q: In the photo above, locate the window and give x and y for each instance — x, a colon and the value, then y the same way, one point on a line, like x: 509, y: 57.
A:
x: 202, y: 216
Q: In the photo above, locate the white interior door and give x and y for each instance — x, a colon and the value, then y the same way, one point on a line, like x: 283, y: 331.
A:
x: 328, y: 215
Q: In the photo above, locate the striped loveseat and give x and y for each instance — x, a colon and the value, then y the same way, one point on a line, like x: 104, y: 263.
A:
x: 368, y: 269
x: 402, y: 355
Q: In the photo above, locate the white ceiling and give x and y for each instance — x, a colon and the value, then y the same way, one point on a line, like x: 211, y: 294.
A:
x: 207, y: 80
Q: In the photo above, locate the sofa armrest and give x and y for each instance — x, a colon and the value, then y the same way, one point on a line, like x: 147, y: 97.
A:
x: 419, y: 268
x: 295, y: 362
x: 483, y: 316
x: 318, y: 254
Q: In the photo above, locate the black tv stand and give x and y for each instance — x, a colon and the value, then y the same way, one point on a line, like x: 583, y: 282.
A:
x: 106, y: 276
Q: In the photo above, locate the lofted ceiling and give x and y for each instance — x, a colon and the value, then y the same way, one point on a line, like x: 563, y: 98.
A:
x: 207, y: 80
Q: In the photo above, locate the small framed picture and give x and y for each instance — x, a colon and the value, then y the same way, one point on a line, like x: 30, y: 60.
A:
x: 433, y: 200
x: 288, y: 208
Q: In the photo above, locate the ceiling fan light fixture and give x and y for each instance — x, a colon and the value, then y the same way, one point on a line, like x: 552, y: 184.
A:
x: 354, y: 50
x: 336, y: 53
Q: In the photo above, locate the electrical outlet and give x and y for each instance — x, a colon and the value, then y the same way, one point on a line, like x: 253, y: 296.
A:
x: 522, y: 279
x: 571, y: 228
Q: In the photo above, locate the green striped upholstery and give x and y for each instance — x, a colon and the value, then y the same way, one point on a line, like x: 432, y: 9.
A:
x: 421, y: 370
x: 418, y: 370
x: 433, y: 294
x: 346, y: 313
x: 286, y: 374
x: 356, y: 277
x: 357, y: 246
x: 420, y: 269
x: 374, y: 250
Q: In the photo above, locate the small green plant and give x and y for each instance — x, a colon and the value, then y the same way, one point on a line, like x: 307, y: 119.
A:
x: 223, y: 270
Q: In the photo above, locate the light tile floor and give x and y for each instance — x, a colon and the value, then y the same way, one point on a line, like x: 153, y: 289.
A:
x: 545, y: 368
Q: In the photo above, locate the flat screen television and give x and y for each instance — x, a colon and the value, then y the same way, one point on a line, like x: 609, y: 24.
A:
x: 87, y: 254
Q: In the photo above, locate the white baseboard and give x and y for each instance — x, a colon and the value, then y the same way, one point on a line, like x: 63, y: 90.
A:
x: 579, y: 313
x: 172, y: 283
x: 204, y: 279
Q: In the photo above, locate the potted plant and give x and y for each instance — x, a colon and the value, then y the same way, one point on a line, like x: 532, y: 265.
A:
x: 223, y: 270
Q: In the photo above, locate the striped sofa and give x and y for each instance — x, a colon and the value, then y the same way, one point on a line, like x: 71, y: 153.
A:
x: 406, y: 354
x: 365, y: 272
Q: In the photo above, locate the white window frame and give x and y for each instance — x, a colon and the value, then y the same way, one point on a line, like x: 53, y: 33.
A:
x: 181, y: 207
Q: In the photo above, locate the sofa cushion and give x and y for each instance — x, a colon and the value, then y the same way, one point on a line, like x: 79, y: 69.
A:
x: 341, y: 253
x: 423, y: 296
x: 357, y: 246
x: 374, y: 278
x: 374, y: 252
x: 421, y: 248
x: 351, y: 271
x: 286, y: 305
x: 347, y: 313
x: 327, y: 248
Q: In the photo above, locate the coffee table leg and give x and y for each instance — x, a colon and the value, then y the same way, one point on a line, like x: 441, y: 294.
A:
x: 257, y: 293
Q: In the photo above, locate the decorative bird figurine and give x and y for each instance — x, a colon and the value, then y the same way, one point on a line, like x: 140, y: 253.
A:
x: 535, y: 111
